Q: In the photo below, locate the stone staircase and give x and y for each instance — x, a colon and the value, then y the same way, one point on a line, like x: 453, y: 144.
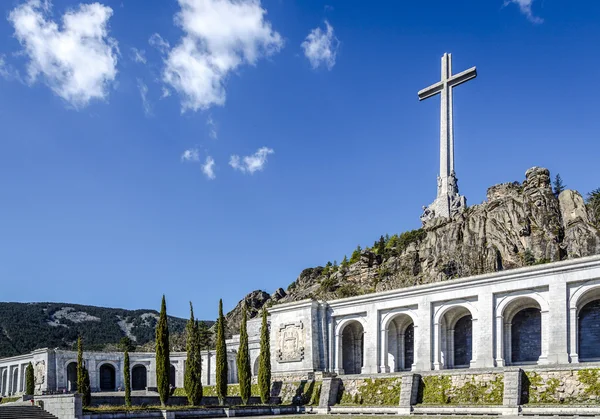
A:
x: 24, y: 412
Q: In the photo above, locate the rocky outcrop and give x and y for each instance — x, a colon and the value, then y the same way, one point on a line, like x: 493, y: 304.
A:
x: 519, y: 224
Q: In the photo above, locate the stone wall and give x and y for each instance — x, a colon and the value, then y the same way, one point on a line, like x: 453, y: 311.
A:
x: 67, y: 406
x: 567, y: 386
x: 462, y: 389
x: 370, y: 391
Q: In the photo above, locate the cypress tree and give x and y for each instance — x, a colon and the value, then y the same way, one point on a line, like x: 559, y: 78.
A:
x: 204, y: 334
x: 86, y: 394
x: 243, y: 361
x: 264, y: 366
x: 221, y: 379
x: 198, y: 361
x: 191, y: 374
x: 80, y: 366
x: 127, y: 379
x: 163, y: 363
x: 30, y: 380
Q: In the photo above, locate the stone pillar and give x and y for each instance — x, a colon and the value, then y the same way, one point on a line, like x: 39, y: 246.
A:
x: 475, y: 343
x: 483, y: 329
x: 500, y: 361
x: 557, y: 337
x: 10, y: 380
x: 339, y: 367
x: 422, y: 338
x: 371, y: 339
x: 384, y: 367
x: 437, y: 337
x: 573, y: 335
x: 324, y: 356
x: 329, y: 393
x: 409, y: 390
x: 330, y: 343
x: 19, y: 377
x: 545, y: 337
x: 512, y: 391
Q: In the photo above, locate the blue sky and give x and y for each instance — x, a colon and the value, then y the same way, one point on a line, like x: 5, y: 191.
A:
x: 121, y: 122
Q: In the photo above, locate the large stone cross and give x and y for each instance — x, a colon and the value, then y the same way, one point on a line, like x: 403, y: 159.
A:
x: 448, y: 201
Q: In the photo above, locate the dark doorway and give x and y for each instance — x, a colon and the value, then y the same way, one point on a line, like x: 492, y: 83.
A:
x: 139, y: 378
x: 107, y: 378
x: 526, y: 336
x: 589, y: 331
x: 72, y: 376
x: 172, y: 376
x: 409, y: 346
x: 352, y: 348
x: 463, y: 341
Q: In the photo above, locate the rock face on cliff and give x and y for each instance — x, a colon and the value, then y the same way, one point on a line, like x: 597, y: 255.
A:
x: 519, y: 224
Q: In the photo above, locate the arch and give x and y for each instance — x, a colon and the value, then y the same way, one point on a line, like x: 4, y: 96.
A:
x: 339, y: 328
x: 589, y: 331
x: 71, y: 376
x: 255, y: 366
x: 172, y: 376
x: 581, y: 330
x: 454, y: 335
x: 400, y: 342
x: 108, y: 377
x: 352, y: 347
x: 519, y: 328
x: 139, y: 377
x: 232, y: 377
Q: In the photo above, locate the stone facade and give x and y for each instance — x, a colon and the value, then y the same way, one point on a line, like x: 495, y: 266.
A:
x: 542, y: 315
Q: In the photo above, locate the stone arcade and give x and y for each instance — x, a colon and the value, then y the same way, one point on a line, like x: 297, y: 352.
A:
x: 542, y: 315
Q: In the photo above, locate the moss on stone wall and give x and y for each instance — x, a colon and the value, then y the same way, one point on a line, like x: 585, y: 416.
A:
x: 473, y: 390
x: 590, y: 378
x: 370, y: 392
x: 210, y: 391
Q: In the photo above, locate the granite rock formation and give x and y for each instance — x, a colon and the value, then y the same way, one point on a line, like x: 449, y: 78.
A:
x: 519, y: 224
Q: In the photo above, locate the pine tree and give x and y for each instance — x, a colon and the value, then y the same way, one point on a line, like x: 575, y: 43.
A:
x: 86, y: 393
x: 264, y: 366
x: 127, y: 379
x: 221, y: 379
x: 163, y: 363
x: 559, y: 186
x: 30, y: 380
x: 593, y: 205
x: 381, y: 246
x: 243, y: 361
x: 344, y: 264
x: 191, y: 374
x: 80, y: 366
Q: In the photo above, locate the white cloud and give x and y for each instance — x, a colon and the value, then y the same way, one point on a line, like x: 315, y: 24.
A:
x: 159, y: 43
x: 165, y: 93
x: 212, y: 128
x: 77, y: 60
x: 220, y: 36
x: 208, y: 168
x: 250, y: 164
x: 138, y: 55
x: 525, y: 6
x: 143, y: 88
x: 320, y: 47
x: 191, y: 155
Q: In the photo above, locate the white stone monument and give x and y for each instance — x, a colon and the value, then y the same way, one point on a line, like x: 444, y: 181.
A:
x: 448, y: 202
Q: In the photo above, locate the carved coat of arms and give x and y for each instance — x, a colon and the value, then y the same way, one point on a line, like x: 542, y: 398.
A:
x: 291, y: 342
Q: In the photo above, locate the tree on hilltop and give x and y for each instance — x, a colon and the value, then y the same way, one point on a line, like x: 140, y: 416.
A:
x: 558, y: 186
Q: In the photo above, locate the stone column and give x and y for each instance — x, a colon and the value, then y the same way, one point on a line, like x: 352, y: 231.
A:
x: 19, y: 377
x: 409, y: 390
x: 545, y: 337
x: 484, y: 330
x: 330, y: 341
x: 384, y: 367
x: 423, y: 343
x: 371, y: 342
x: 437, y: 337
x: 339, y: 367
x: 500, y: 362
x: 512, y: 391
x: 416, y: 360
x: 449, y: 358
x: 324, y: 356
x: 573, y: 335
x: 10, y: 380
x: 556, y: 327
x: 475, y: 334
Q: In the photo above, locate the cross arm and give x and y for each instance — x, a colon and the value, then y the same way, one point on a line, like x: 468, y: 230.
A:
x: 431, y: 90
x: 463, y: 77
